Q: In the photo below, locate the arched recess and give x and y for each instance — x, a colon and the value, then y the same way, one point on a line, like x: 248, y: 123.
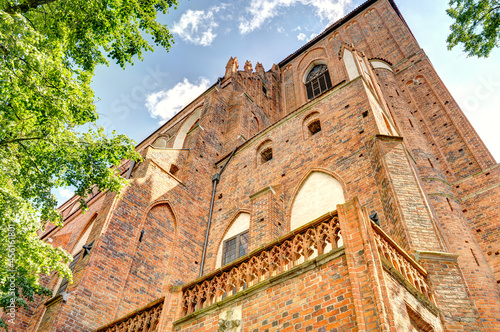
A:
x: 239, y: 225
x: 316, y: 79
x: 150, y: 263
x: 318, y: 194
x: 161, y: 142
x: 186, y: 126
x: 84, y: 237
x: 265, y: 152
x: 311, y: 124
x: 78, y: 252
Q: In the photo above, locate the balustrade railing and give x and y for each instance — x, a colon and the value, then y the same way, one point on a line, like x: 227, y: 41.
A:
x: 299, y: 246
x: 145, y: 319
x: 402, y: 262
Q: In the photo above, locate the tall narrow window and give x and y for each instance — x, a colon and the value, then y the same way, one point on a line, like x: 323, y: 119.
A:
x: 317, y: 81
x: 72, y: 265
x: 234, y: 248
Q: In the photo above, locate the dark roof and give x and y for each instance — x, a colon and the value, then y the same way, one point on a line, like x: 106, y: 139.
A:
x: 336, y: 25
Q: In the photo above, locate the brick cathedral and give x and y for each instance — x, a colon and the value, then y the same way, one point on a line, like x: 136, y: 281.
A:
x: 341, y: 190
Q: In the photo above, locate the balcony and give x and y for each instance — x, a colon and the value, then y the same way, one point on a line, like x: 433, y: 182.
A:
x: 394, y: 256
x: 290, y: 255
x: 299, y: 246
x: 145, y: 319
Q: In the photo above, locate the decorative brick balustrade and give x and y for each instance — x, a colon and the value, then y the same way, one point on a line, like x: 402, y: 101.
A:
x: 402, y: 262
x: 145, y: 319
x: 303, y: 244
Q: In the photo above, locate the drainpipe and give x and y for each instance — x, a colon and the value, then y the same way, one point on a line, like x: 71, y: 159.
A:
x: 130, y: 168
x: 215, y: 180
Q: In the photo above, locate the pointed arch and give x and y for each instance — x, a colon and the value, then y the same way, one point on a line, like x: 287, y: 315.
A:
x: 84, y: 235
x: 186, y: 127
x: 239, y: 224
x: 161, y: 141
x: 319, y: 192
x: 154, y: 249
x: 311, y: 124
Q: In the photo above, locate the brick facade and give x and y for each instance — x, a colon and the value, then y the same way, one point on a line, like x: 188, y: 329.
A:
x: 391, y: 135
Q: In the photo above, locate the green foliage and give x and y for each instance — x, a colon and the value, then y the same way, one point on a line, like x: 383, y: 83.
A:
x: 49, y: 50
x: 476, y: 26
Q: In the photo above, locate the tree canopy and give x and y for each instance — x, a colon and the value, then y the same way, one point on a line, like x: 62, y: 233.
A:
x: 49, y: 50
x: 476, y: 26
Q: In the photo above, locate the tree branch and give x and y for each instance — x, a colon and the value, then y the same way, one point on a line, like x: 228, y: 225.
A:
x: 27, y: 6
x: 19, y: 140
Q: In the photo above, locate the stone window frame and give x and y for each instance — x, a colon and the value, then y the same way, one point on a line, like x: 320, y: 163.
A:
x: 237, y: 248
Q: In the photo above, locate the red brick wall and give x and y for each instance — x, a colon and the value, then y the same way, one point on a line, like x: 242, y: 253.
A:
x: 318, y: 300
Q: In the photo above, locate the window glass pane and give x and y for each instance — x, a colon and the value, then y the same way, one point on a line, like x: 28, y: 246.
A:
x: 322, y: 83
x: 309, y: 91
x: 328, y: 81
x: 229, y: 251
x: 315, y: 72
x: 243, y: 250
x: 266, y: 155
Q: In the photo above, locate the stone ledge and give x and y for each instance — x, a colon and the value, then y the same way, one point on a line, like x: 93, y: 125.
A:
x: 262, y: 192
x: 435, y: 256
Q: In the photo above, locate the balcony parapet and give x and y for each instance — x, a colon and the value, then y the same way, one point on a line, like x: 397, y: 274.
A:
x: 402, y: 262
x: 297, y: 247
x: 144, y: 319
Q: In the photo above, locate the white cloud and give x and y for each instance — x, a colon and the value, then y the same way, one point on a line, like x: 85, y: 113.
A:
x: 280, y: 29
x: 197, y: 26
x: 312, y: 36
x: 63, y: 194
x: 301, y: 36
x: 260, y: 11
x: 165, y: 104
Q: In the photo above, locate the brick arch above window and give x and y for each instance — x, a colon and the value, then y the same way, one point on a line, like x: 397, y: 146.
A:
x: 311, y: 125
x: 188, y: 125
x: 317, y: 79
x: 265, y: 152
x: 234, y: 243
x: 317, y: 194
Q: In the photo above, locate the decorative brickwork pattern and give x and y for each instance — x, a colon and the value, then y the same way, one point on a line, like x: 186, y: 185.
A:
x: 296, y: 248
x: 402, y: 262
x: 143, y: 320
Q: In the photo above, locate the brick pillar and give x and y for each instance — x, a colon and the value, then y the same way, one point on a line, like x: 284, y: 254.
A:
x: 452, y: 297
x: 409, y: 221
x: 369, y: 291
x: 171, y: 308
x: 266, y: 224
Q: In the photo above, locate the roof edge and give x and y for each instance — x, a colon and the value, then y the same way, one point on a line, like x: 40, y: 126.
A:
x: 338, y: 24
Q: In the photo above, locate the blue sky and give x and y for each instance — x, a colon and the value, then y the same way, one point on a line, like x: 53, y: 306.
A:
x: 135, y: 101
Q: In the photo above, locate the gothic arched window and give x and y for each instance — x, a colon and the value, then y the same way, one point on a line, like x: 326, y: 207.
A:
x: 318, y: 81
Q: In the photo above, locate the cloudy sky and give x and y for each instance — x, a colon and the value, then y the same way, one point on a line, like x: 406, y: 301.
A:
x: 136, y: 101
